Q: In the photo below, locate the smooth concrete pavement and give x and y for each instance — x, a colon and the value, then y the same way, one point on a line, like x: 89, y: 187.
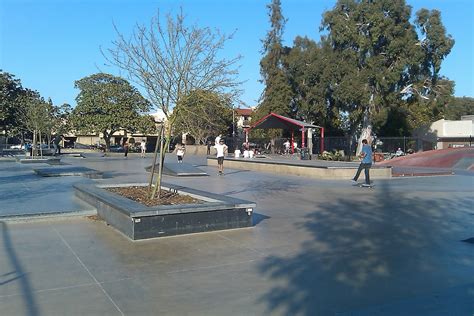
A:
x: 318, y: 247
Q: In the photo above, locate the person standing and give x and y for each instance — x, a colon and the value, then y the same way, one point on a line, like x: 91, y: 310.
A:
x: 125, y: 147
x: 56, y: 145
x: 366, y: 162
x: 209, y: 143
x: 180, y: 153
x: 143, y: 148
x: 287, y: 145
x: 221, y: 150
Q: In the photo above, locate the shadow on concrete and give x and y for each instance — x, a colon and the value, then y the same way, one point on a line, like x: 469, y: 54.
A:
x: 113, y: 174
x: 257, y: 218
x: 266, y: 187
x: 369, y: 252
x: 235, y: 171
x: 18, y: 273
x: 25, y: 178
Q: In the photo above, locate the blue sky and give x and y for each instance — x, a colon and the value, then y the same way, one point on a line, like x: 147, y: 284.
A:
x: 48, y: 44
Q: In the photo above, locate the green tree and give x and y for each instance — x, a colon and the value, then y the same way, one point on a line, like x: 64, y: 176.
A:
x: 458, y: 107
x: 169, y: 62
x: 61, y: 119
x: 277, y: 94
x: 11, y: 113
x: 107, y: 104
x: 203, y: 114
x: 312, y: 70
x: 390, y: 63
x: 37, y: 117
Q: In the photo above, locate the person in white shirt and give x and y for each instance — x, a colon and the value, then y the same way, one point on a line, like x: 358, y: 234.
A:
x: 218, y: 139
x: 143, y: 148
x: 221, y: 150
x: 180, y: 153
x: 287, y: 145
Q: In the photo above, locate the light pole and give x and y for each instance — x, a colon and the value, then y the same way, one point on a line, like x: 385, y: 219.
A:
x: 233, y: 127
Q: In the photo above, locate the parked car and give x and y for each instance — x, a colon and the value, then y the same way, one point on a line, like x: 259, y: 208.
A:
x: 81, y: 146
x: 116, y: 149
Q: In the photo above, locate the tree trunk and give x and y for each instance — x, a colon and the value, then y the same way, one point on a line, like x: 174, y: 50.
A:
x: 366, y: 133
x: 41, y: 147
x: 157, y: 188
x: 107, y: 141
x: 153, y: 164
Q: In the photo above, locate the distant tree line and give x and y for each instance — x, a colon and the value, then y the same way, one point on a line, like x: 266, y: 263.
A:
x: 105, y: 104
x: 371, y: 67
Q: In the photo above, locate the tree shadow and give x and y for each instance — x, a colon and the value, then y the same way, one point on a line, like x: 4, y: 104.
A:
x: 360, y: 252
x: 18, y: 273
x: 25, y: 178
x: 266, y: 187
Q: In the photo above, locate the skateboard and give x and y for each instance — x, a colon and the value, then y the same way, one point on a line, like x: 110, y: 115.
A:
x: 363, y: 185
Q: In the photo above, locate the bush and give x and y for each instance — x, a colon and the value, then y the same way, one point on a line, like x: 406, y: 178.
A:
x: 332, y: 156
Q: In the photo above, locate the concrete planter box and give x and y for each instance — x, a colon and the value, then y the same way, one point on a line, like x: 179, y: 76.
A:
x: 137, y: 221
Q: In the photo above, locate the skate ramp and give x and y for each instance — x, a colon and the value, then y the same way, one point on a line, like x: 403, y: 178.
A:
x: 451, y: 158
x: 179, y: 170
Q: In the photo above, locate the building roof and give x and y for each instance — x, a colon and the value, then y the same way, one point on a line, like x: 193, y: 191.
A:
x: 244, y: 112
x: 273, y: 120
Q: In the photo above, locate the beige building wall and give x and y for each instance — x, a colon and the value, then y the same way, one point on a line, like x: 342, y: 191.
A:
x: 452, y: 133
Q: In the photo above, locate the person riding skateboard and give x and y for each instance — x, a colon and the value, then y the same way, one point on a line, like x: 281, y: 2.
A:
x: 366, y: 162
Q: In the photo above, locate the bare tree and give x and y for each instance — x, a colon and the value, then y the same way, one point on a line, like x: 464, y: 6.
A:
x: 170, y: 61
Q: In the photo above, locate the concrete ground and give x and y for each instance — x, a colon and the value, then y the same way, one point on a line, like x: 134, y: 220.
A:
x: 318, y: 247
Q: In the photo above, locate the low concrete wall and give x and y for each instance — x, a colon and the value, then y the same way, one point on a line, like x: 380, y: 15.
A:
x: 316, y: 172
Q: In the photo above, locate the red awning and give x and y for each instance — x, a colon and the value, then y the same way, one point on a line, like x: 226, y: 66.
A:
x: 273, y: 120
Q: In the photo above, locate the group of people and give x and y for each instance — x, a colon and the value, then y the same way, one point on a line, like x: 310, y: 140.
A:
x: 126, y: 148
x: 287, y: 146
x: 222, y: 149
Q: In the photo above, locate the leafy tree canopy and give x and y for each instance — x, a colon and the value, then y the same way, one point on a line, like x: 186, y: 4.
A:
x: 458, y: 107
x: 10, y: 106
x: 372, y: 65
x: 277, y: 95
x: 203, y: 114
x: 107, y: 104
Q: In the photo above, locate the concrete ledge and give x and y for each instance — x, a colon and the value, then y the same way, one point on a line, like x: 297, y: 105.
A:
x: 69, y: 171
x: 295, y: 169
x: 51, y: 160
x: 137, y: 221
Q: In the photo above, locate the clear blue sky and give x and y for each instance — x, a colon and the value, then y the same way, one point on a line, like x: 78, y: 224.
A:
x: 48, y: 44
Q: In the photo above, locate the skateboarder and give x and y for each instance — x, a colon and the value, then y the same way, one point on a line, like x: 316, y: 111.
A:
x: 366, y: 162
x: 221, y: 150
x: 57, y: 147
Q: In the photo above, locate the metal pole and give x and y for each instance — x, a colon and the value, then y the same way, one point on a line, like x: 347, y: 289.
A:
x: 302, y: 138
x: 292, y: 142
x: 233, y: 127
